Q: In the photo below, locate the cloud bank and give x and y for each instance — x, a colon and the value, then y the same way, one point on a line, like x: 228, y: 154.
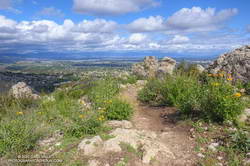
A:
x: 185, y: 20
x: 111, y: 7
x: 181, y: 32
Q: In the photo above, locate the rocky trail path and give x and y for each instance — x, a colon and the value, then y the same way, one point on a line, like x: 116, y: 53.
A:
x: 174, y: 135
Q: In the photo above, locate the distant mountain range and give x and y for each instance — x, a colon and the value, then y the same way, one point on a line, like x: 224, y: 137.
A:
x: 12, y: 58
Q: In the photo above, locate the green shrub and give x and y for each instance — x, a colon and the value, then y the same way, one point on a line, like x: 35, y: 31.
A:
x: 7, y: 102
x: 183, y: 92
x: 102, y: 91
x: 83, y: 127
x: 247, y: 87
x: 240, y: 140
x: 151, y: 93
x: 131, y: 79
x: 214, y: 97
x: 220, y: 101
x: 17, y: 136
x: 118, y: 110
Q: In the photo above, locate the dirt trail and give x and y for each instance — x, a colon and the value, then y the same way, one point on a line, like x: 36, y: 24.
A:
x: 162, y: 120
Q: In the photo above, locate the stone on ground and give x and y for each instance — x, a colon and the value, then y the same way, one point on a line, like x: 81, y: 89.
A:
x: 145, y: 140
x: 22, y: 90
x: 91, y: 147
x: 120, y: 124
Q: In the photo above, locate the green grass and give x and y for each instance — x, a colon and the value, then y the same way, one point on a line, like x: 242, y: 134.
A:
x: 23, y: 122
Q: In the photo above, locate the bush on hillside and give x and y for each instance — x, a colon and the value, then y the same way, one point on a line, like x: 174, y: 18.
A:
x: 213, y: 96
x: 220, y: 101
x: 183, y: 92
x: 82, y: 126
x: 151, y: 93
x: 131, y: 79
x: 17, y: 136
x: 102, y: 91
x: 118, y: 110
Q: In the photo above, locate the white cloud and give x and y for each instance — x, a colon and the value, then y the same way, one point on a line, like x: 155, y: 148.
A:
x: 102, y: 35
x: 5, y: 22
x: 147, y: 24
x: 195, y: 19
x: 97, y: 25
x: 111, y: 7
x: 198, y: 19
x: 51, y: 11
x: 137, y: 38
x: 179, y: 39
x: 46, y: 34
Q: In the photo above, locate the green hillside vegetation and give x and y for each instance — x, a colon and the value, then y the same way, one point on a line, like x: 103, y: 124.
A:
x: 201, y: 100
x: 25, y: 121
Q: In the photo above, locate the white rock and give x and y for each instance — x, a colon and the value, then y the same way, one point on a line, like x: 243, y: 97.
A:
x: 245, y: 115
x: 22, y: 90
x: 94, y: 163
x: 219, y: 164
x: 219, y: 158
x: 147, y: 140
x: 200, y: 155
x: 120, y: 124
x: 236, y: 63
x: 141, y: 83
x: 91, y: 147
x: 58, y: 144
x: 213, y: 146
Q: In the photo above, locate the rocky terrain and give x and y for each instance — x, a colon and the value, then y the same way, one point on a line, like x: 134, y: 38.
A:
x: 108, y: 119
x: 151, y: 67
x: 236, y: 63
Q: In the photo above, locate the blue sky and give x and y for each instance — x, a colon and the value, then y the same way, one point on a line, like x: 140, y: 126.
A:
x: 173, y: 26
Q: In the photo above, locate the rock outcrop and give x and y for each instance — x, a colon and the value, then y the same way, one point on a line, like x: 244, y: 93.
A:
x: 199, y: 68
x: 236, y: 63
x: 146, y: 141
x: 151, y: 67
x: 22, y: 90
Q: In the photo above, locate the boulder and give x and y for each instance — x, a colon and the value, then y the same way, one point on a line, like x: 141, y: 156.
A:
x: 22, y: 90
x: 119, y: 124
x: 245, y: 115
x: 166, y: 66
x: 91, y: 147
x: 147, y: 141
x: 236, y: 63
x: 151, y: 67
x: 94, y: 163
x: 199, y: 68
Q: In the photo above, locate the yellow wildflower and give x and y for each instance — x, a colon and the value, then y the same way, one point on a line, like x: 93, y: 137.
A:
x: 19, y: 113
x: 229, y: 78
x: 221, y: 75
x: 210, y: 75
x: 237, y: 94
x: 215, y: 84
x: 101, y: 118
x: 81, y: 116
